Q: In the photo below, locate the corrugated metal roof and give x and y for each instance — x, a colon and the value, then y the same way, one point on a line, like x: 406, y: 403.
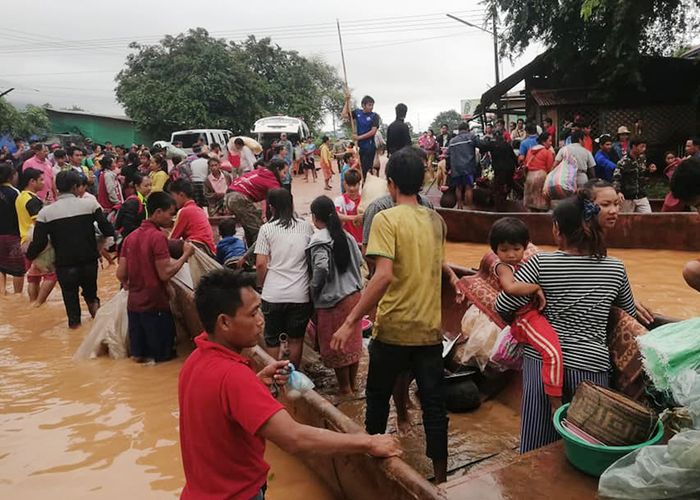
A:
x: 562, y: 97
x: 87, y: 113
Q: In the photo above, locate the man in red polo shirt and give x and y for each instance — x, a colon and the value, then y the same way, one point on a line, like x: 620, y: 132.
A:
x: 144, y: 269
x: 226, y: 409
x: 192, y: 221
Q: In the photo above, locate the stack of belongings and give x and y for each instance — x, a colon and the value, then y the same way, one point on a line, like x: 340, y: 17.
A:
x: 602, y: 416
x: 671, y: 359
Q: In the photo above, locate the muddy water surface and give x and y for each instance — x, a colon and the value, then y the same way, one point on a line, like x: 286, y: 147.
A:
x: 108, y: 429
x: 95, y: 429
x: 655, y: 275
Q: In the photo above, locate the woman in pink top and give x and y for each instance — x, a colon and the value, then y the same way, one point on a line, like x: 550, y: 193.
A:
x: 538, y: 162
x: 249, y: 189
x: 216, y: 187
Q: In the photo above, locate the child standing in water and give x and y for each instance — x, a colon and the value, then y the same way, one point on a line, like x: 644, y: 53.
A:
x: 335, y: 260
x: 509, y: 238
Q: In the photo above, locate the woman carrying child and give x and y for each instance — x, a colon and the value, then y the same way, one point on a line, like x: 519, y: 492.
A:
x: 509, y: 237
x: 334, y: 260
x: 580, y: 283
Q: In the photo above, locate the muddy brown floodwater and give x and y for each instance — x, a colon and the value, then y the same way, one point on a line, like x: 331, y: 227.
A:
x: 655, y: 275
x: 96, y: 429
x: 108, y: 429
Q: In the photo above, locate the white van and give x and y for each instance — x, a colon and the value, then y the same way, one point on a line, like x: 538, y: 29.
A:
x: 268, y: 129
x: 190, y: 137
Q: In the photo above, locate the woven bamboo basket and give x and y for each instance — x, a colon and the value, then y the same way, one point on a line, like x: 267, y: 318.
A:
x: 610, y: 416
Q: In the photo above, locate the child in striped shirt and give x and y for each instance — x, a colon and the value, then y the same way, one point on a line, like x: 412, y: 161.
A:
x: 509, y: 238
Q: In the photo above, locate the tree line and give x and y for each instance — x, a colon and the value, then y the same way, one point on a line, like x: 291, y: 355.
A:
x: 193, y: 80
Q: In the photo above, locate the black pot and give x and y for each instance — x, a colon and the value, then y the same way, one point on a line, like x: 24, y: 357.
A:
x: 461, y: 392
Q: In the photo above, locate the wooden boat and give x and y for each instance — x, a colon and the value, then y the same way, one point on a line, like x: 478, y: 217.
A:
x: 655, y: 231
x: 482, y: 444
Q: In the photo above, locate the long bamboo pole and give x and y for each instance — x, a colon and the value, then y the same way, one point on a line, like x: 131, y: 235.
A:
x: 345, y: 76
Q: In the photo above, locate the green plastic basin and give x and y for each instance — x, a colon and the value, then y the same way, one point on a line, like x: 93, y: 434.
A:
x: 591, y: 458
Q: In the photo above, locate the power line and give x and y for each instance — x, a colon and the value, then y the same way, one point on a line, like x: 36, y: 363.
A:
x: 377, y: 25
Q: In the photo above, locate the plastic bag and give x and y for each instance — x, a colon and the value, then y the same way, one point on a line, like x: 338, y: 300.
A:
x: 481, y: 333
x: 561, y: 182
x: 46, y: 260
x: 507, y: 353
x: 297, y: 383
x: 374, y: 188
x: 670, y: 350
x: 110, y: 331
x: 686, y: 392
x: 656, y: 472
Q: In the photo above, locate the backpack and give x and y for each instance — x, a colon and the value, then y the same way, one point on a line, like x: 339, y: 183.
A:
x: 182, y: 170
x: 561, y: 182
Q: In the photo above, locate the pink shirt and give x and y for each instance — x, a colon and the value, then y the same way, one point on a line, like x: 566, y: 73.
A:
x: 255, y: 184
x: 47, y: 192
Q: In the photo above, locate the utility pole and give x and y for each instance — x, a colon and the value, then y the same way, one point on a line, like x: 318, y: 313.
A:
x: 495, y: 44
x: 493, y: 33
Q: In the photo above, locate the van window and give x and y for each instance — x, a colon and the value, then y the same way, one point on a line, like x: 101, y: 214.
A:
x: 188, y: 140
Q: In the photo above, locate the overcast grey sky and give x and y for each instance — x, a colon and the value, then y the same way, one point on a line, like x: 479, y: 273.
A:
x: 68, y: 52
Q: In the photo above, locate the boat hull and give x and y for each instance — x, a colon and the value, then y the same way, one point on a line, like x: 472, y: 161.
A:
x: 657, y: 231
x: 487, y: 438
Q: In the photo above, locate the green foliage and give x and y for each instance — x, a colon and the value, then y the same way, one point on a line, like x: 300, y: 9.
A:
x: 22, y: 123
x: 451, y: 117
x: 293, y: 85
x: 196, y: 81
x: 610, y: 34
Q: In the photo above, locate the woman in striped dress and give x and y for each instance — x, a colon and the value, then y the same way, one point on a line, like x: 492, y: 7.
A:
x: 581, y: 283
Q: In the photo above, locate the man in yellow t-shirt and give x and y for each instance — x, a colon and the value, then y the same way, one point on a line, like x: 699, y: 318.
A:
x: 28, y: 203
x: 407, y: 243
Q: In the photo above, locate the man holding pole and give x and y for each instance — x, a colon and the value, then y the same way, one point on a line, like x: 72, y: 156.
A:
x: 367, y: 123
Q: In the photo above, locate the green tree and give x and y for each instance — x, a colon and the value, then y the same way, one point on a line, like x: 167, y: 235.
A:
x: 451, y: 117
x: 189, y: 81
x: 293, y: 85
x: 22, y: 123
x: 196, y: 81
x: 610, y: 35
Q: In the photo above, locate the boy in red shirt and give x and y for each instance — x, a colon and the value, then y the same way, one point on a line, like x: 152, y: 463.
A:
x: 347, y: 203
x: 192, y: 222
x: 144, y: 269
x: 226, y: 409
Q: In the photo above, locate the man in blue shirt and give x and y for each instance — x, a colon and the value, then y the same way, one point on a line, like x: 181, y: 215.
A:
x: 529, y: 141
x: 462, y: 164
x: 367, y: 124
x: 604, y: 165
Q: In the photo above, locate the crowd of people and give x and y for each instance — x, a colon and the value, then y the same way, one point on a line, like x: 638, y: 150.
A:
x: 62, y: 211
x: 521, y: 159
